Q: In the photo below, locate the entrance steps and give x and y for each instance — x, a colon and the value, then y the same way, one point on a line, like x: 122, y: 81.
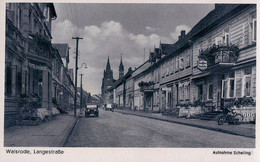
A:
x: 210, y: 115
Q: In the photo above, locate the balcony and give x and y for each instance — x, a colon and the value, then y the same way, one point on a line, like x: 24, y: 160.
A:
x: 220, y: 55
x: 40, y: 46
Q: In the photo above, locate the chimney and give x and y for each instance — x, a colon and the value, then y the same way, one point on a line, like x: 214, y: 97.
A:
x: 182, y: 35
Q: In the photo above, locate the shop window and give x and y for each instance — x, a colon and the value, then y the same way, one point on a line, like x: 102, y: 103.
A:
x: 210, y: 91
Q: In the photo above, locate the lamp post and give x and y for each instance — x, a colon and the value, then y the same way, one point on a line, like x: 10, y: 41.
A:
x: 81, y: 93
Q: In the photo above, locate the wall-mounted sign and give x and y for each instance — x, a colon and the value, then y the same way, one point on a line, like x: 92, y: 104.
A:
x: 202, y: 65
x: 166, y: 89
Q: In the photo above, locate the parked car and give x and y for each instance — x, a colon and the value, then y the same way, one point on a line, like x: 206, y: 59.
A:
x: 91, y: 109
x: 109, y: 107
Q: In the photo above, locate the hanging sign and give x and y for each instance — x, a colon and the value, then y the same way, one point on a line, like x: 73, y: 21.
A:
x: 202, y: 65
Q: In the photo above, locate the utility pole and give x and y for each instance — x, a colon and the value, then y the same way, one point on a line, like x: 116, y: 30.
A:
x: 81, y: 92
x: 76, y: 74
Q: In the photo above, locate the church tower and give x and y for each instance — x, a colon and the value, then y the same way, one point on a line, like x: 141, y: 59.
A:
x: 121, y: 68
x: 107, y: 80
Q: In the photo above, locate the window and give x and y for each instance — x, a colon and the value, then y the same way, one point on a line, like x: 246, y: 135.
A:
x: 210, y: 91
x: 172, y: 66
x: 200, y: 91
x: 247, y: 85
x: 252, y: 27
x: 181, y: 88
x: 228, y: 86
x: 226, y: 36
x: 8, y: 79
x: 177, y: 63
x: 247, y: 81
x: 188, y: 59
x: 187, y: 91
x: 181, y: 63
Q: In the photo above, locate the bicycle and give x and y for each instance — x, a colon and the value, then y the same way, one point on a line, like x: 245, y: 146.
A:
x: 230, y: 118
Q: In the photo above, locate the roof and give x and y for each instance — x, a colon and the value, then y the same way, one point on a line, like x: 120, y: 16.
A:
x: 166, y: 48
x: 141, y: 68
x: 220, y: 11
x: 62, y: 48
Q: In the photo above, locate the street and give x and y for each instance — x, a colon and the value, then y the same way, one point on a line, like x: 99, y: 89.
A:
x: 113, y: 129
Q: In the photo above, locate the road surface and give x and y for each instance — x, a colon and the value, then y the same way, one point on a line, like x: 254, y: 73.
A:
x: 113, y: 129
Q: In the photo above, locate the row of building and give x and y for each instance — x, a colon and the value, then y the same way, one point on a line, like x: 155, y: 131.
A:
x: 215, y: 61
x: 33, y: 65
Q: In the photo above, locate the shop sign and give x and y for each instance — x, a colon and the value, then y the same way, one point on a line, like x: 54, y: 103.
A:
x: 202, y: 65
x: 37, y: 67
x: 166, y: 89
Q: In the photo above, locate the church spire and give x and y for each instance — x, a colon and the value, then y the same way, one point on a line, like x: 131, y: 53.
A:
x: 108, y: 64
x: 121, y: 68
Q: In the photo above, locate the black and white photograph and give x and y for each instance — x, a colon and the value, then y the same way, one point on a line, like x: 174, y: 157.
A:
x: 121, y: 75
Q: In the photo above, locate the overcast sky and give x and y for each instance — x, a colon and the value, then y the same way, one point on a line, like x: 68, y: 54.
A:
x: 112, y: 29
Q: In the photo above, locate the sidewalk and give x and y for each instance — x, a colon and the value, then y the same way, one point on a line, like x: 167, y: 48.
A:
x: 53, y: 133
x: 247, y: 130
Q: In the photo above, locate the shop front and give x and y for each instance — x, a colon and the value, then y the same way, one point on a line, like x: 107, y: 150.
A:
x: 40, y: 80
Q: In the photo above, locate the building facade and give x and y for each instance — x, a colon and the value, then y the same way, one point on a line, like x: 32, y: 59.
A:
x: 29, y: 55
x: 228, y: 46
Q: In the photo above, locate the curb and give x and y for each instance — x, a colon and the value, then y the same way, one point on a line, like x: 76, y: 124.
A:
x: 192, y: 125
x: 62, y: 139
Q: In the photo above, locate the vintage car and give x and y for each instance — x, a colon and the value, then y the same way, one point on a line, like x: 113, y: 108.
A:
x: 91, y: 109
x: 109, y: 107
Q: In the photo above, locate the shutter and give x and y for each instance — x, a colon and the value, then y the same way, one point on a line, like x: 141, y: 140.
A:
x: 239, y: 87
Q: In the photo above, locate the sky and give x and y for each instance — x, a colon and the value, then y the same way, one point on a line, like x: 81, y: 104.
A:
x: 111, y: 29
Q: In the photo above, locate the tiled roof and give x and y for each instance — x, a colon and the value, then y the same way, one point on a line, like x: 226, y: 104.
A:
x: 62, y: 48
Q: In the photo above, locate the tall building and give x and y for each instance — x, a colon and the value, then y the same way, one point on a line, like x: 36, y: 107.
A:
x: 121, y: 68
x: 107, y: 80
